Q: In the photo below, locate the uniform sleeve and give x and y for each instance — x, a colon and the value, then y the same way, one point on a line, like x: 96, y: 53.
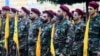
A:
x: 70, y: 35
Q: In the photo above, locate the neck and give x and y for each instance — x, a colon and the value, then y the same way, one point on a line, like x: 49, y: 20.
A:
x: 94, y: 15
x: 65, y: 17
x: 77, y: 21
x: 24, y: 17
x: 36, y: 17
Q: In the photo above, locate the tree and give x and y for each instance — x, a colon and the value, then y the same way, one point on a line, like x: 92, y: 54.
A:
x: 67, y: 1
x: 70, y: 2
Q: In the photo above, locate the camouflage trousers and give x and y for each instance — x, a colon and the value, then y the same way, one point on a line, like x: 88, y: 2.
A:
x: 45, y: 51
x: 23, y: 45
x: 24, y: 51
x: 76, y: 48
x: 61, y: 48
x: 31, y: 50
x: 94, y: 46
x: 12, y: 50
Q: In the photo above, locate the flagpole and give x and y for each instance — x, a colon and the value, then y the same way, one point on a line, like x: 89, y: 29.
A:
x: 6, y: 2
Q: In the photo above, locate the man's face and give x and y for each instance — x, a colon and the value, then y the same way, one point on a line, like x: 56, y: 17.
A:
x: 3, y: 12
x: 75, y: 16
x: 21, y: 13
x: 60, y: 12
x: 91, y: 10
x: 32, y: 15
x: 12, y: 15
x: 44, y: 16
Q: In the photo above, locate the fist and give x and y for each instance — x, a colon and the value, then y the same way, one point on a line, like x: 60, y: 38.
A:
x: 98, y: 53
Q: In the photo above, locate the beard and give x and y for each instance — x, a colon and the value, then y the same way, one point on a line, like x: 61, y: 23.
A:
x: 91, y: 14
x: 44, y: 21
x: 32, y: 19
x: 21, y: 16
x: 59, y: 17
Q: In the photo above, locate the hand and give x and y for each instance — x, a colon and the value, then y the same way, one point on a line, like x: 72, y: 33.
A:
x: 61, y: 54
x: 98, y: 53
x: 14, y: 47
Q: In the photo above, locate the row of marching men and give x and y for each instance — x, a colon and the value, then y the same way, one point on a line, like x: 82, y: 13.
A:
x: 65, y: 33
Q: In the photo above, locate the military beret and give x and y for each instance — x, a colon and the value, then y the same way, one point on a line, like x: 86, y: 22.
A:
x: 54, y: 13
x: 14, y: 10
x: 64, y: 8
x: 25, y: 10
x: 84, y: 15
x: 6, y: 8
x: 49, y: 12
x: 79, y: 11
x: 70, y: 14
x: 94, y: 4
x: 36, y: 11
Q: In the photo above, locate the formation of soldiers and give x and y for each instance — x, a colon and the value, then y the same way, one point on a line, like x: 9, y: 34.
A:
x: 68, y: 36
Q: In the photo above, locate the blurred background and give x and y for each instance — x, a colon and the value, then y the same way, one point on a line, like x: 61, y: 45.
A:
x: 46, y: 4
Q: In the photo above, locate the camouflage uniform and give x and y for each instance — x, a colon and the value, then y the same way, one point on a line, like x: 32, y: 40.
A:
x: 11, y: 23
x: 78, y: 39
x: 10, y: 39
x: 45, y: 39
x: 3, y: 27
x: 23, y: 35
x: 94, y: 35
x: 2, y: 52
x: 2, y: 36
x: 63, y: 37
x: 32, y: 36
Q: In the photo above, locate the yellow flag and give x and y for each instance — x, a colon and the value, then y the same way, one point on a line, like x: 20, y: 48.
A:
x: 30, y: 22
x: 15, y: 36
x: 52, y: 49
x: 73, y: 22
x: 85, y: 50
x: 38, y: 44
x: 6, y: 32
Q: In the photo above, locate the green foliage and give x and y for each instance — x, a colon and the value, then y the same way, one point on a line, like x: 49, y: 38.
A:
x: 66, y: 1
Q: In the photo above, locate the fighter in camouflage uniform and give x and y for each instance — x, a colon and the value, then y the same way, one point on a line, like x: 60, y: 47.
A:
x: 5, y: 9
x: 23, y: 26
x: 1, y: 40
x: 12, y: 50
x: 94, y: 29
x: 3, y: 18
x: 33, y: 31
x: 78, y: 29
x: 63, y: 33
x: 46, y: 32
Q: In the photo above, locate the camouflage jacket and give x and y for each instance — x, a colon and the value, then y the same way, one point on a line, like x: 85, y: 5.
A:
x: 46, y: 34
x: 23, y: 26
x: 64, y: 31
x: 33, y: 31
x: 79, y: 29
x: 94, y: 34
